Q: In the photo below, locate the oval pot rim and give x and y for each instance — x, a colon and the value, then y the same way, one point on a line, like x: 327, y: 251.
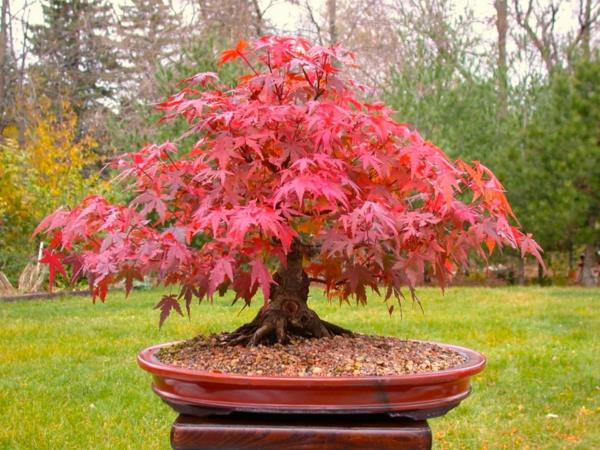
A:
x: 474, y: 364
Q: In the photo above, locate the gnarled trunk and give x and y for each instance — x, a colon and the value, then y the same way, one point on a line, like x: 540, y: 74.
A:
x: 287, y: 313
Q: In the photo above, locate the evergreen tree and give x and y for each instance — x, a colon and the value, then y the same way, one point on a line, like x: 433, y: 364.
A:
x: 142, y: 126
x: 442, y: 92
x: 75, y: 53
x: 560, y: 165
x: 149, y: 37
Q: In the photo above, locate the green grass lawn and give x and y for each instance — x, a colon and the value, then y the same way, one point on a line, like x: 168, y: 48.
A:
x: 68, y: 377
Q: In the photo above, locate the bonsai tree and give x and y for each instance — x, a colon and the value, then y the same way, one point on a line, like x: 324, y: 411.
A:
x: 292, y: 179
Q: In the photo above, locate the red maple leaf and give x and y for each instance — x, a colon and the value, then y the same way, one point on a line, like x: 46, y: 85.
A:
x: 129, y: 274
x: 261, y: 274
x: 53, y: 260
x: 166, y: 304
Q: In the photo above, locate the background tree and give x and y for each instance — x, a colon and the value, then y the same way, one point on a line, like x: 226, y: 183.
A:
x: 538, y: 21
x: 198, y: 55
x: 368, y: 27
x: 232, y: 20
x: 150, y: 36
x: 563, y: 141
x: 149, y: 33
x: 13, y: 56
x: 501, y: 7
x: 75, y: 56
x: 49, y: 171
x: 4, y: 59
x: 440, y: 89
x: 536, y: 35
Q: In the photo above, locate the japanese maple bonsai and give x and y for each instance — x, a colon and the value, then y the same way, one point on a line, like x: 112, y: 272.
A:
x: 292, y: 178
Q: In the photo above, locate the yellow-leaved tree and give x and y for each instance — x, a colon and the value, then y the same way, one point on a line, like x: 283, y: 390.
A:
x: 55, y: 166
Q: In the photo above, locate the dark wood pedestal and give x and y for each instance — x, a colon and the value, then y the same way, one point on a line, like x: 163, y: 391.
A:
x: 299, y: 432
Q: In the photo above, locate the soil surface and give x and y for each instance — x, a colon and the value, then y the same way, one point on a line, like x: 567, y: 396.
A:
x: 357, y: 355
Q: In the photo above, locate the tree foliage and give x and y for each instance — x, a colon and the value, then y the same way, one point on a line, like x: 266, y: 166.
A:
x: 51, y: 170
x: 292, y: 154
x: 562, y: 153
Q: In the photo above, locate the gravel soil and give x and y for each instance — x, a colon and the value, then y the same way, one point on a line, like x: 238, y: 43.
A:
x: 359, y: 355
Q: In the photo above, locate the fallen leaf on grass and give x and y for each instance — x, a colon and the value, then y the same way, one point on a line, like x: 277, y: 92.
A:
x: 583, y: 411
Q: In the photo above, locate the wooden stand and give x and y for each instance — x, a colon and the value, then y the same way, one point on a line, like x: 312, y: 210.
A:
x: 299, y: 432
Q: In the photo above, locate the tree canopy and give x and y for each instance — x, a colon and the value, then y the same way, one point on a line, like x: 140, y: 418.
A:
x: 290, y: 156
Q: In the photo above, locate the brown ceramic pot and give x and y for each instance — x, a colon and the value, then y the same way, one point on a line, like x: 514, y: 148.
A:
x: 416, y: 396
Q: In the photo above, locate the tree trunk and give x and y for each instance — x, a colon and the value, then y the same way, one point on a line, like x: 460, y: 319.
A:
x: 589, y: 262
x: 258, y: 19
x: 331, y: 12
x: 521, y: 274
x: 585, y: 22
x: 287, y: 313
x: 502, y: 69
x: 3, y: 57
x: 571, y: 259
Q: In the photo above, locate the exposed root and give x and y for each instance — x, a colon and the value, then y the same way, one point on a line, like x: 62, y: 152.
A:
x: 287, y: 313
x: 270, y: 327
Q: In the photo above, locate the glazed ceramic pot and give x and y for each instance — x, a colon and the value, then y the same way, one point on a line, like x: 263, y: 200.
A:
x: 414, y: 396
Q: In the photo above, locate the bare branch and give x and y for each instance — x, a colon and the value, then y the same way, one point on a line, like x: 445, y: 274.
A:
x: 542, y: 37
x: 314, y: 21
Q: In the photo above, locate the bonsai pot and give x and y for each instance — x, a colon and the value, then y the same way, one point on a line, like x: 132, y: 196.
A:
x: 219, y: 410
x: 415, y: 396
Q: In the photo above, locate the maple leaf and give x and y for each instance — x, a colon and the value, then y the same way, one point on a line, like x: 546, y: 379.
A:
x: 151, y: 201
x: 100, y: 289
x: 261, y: 274
x: 129, y: 274
x: 166, y: 304
x: 53, y: 260
x: 528, y: 245
x: 57, y: 219
x: 358, y: 277
x: 201, y: 78
x: 76, y: 263
x: 231, y: 54
x: 187, y: 293
x: 222, y: 268
x: 244, y: 287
